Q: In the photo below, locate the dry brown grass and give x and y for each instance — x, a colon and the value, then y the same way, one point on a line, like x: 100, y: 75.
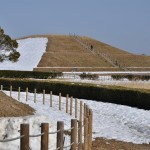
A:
x: 134, y: 84
x: 64, y: 51
x: 71, y: 59
x: 12, y: 108
x: 131, y: 60
x: 124, y: 58
x: 79, y: 69
x: 105, y: 144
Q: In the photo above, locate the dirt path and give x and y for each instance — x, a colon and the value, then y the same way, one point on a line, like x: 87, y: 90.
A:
x: 105, y: 144
x: 12, y: 108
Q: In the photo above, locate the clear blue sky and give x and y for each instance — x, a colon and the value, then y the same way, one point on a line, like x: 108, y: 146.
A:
x: 122, y: 23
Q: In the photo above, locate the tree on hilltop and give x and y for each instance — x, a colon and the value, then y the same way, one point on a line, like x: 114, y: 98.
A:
x: 8, y: 48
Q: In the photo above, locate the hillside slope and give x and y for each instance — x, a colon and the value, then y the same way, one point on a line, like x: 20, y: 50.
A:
x: 124, y: 58
x: 12, y: 108
x: 31, y: 50
x: 71, y: 52
x: 64, y: 51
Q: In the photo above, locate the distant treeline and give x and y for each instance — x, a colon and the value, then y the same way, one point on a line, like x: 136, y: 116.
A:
x: 89, y: 76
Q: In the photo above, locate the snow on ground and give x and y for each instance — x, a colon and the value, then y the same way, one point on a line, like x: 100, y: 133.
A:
x: 109, y: 120
x: 10, y: 127
x: 31, y: 50
x: 106, y: 80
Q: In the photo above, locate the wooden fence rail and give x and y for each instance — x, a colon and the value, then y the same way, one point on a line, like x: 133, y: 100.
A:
x: 81, y: 127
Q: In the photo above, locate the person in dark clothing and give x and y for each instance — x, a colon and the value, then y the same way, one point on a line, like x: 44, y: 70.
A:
x: 91, y: 47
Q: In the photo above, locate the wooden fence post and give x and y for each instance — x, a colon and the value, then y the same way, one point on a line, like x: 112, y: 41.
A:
x: 24, y: 141
x: 87, y: 111
x: 76, y: 108
x: 43, y: 96
x: 84, y: 115
x: 81, y: 111
x: 19, y: 94
x: 27, y: 94
x: 84, y: 109
x: 79, y: 135
x: 60, y: 135
x: 45, y: 136
x: 59, y: 101
x: 85, y: 133
x: 67, y: 96
x: 34, y: 95
x: 73, y: 133
x: 11, y: 91
x: 90, y: 129
x: 50, y: 98
x: 1, y: 87
x: 71, y: 105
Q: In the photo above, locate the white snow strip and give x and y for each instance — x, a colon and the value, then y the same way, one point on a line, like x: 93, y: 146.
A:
x: 31, y: 51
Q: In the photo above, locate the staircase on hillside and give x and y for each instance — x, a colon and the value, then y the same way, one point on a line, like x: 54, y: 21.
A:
x: 89, y: 47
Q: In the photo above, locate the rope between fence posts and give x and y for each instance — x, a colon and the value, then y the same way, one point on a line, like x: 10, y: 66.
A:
x: 69, y: 129
x: 36, y: 135
x: 54, y: 132
x: 57, y: 148
x: 52, y: 146
x: 68, y: 145
x: 13, y: 139
x: 77, y: 144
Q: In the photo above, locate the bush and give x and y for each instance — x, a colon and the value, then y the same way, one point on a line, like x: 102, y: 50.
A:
x: 131, y: 77
x: 8, y: 45
x: 117, y: 95
x: 88, y: 76
x: 29, y: 74
x: 14, y: 56
x: 14, y: 43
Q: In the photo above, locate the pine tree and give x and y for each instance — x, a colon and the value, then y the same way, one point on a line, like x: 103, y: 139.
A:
x: 8, y: 48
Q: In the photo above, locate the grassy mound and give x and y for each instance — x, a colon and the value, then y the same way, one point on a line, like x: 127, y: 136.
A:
x: 12, y: 108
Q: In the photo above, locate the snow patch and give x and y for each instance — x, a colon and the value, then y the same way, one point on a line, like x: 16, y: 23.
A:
x: 110, y: 121
x: 31, y: 51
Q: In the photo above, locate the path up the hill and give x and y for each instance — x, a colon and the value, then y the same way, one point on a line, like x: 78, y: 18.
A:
x: 64, y: 51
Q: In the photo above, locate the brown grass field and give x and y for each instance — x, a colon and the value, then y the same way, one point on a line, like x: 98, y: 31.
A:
x: 64, y: 51
x: 134, y: 84
x: 12, y: 108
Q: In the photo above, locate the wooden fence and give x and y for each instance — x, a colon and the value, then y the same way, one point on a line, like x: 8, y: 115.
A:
x: 80, y: 131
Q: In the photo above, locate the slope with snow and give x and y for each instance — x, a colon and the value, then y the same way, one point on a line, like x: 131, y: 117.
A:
x: 31, y: 51
x: 109, y: 120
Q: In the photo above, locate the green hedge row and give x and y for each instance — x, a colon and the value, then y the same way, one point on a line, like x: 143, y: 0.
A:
x: 117, y: 95
x: 131, y: 77
x: 29, y: 74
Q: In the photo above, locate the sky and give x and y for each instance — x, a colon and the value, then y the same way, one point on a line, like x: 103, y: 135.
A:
x: 121, y: 23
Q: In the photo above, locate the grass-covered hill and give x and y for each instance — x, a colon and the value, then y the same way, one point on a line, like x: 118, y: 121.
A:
x: 68, y: 52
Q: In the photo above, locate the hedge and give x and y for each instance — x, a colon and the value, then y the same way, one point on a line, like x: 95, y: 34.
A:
x: 112, y: 94
x: 89, y: 76
x: 131, y: 77
x: 29, y: 74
